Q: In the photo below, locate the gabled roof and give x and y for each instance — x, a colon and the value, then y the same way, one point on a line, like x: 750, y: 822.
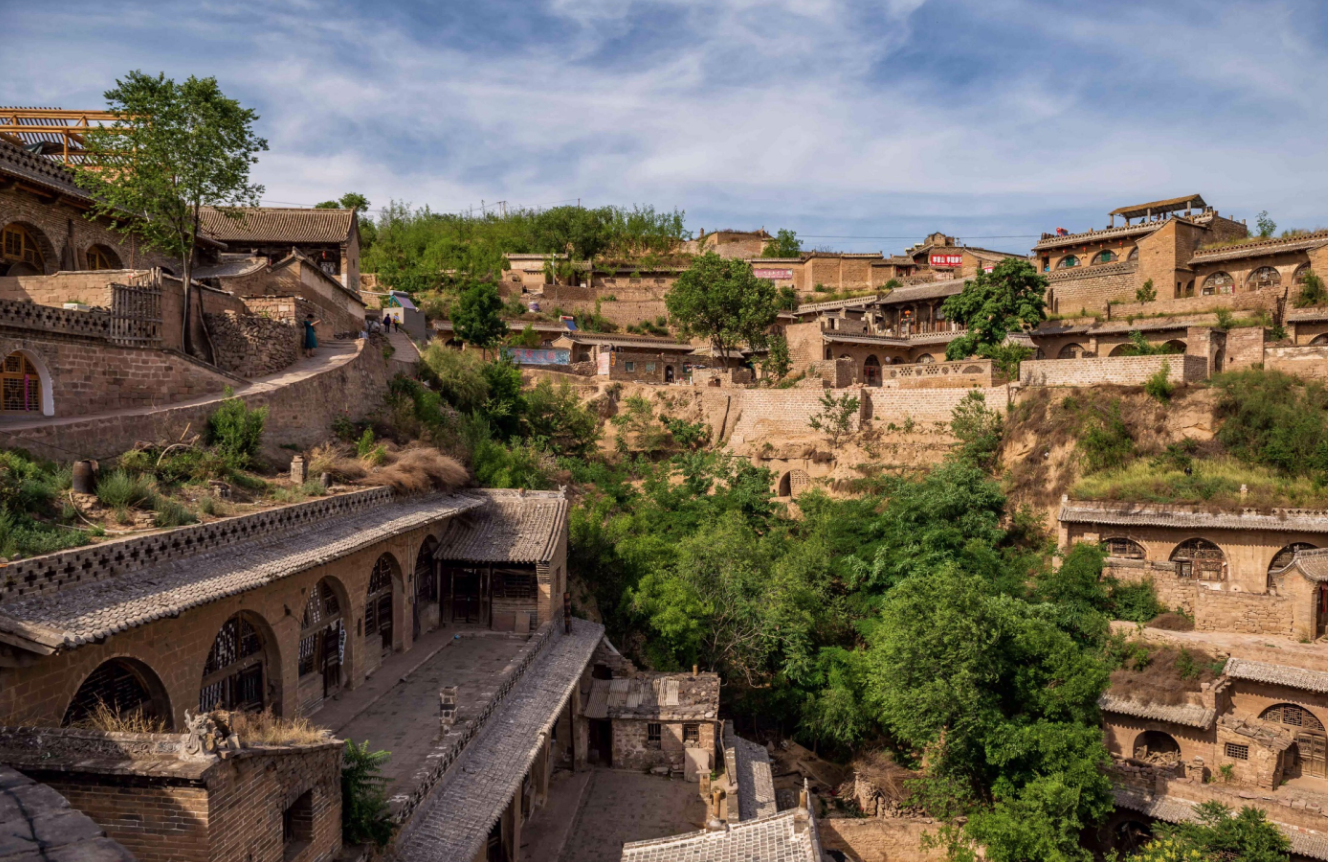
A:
x: 653, y: 695
x: 279, y: 225
x: 931, y: 290
x: 1188, y: 714
x: 748, y: 766
x: 509, y: 527
x: 38, y: 170
x: 780, y: 837
x: 1277, y: 674
x: 1155, y: 207
x: 1191, y: 518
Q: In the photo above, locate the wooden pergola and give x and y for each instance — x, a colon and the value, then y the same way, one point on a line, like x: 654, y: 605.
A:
x: 56, y: 132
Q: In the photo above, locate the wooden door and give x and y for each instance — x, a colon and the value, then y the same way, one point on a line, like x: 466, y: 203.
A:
x: 1313, y: 754
x: 466, y: 594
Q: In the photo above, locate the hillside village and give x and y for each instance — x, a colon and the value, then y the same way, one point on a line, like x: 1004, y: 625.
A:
x: 337, y: 548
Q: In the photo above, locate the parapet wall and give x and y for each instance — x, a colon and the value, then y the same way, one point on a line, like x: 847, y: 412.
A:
x: 1309, y: 361
x: 939, y: 375
x: 1111, y: 370
x: 1213, y: 610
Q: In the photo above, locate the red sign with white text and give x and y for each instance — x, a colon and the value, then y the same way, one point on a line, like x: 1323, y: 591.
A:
x: 773, y: 274
x: 947, y: 261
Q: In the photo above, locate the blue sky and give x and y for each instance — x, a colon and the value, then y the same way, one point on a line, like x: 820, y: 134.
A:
x: 862, y: 125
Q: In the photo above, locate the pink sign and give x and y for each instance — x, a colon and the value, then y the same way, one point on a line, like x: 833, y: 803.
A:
x: 947, y: 261
x: 603, y: 363
x: 773, y: 274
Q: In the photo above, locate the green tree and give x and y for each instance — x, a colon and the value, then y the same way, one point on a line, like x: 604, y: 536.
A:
x: 835, y: 417
x: 1217, y: 835
x: 172, y: 150
x: 978, y: 430
x: 785, y: 244
x: 776, y: 362
x: 478, y: 315
x: 1146, y: 293
x: 350, y: 200
x: 721, y: 300
x: 1266, y: 226
x: 1312, y: 292
x: 1010, y: 298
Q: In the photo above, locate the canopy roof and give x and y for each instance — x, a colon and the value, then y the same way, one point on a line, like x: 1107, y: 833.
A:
x: 1156, y: 207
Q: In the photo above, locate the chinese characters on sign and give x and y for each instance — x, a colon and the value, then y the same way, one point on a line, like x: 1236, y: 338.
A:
x: 946, y: 261
x: 774, y: 274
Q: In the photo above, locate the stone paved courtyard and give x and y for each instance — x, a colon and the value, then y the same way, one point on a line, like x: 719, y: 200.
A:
x: 404, y: 720
x: 620, y: 806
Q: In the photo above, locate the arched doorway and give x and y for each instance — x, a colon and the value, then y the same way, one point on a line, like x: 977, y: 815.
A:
x: 22, y: 251
x: 793, y: 483
x: 871, y: 371
x: 426, y: 588
x: 25, y: 388
x: 1176, y: 345
x: 1282, y: 559
x: 1201, y: 559
x: 1154, y: 744
x: 378, y: 612
x: 1117, y: 546
x: 125, y: 687
x: 322, y: 645
x: 235, y: 676
x: 1122, y: 350
x: 1311, y: 740
x: 102, y: 257
x: 1071, y: 351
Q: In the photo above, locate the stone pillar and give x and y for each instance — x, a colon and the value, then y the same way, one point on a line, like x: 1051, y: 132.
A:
x: 299, y: 470
x: 447, y: 707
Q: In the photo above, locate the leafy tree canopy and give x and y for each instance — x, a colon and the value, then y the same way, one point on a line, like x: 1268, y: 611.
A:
x: 721, y: 300
x: 1010, y: 298
x: 785, y: 244
x: 350, y: 200
x: 478, y: 315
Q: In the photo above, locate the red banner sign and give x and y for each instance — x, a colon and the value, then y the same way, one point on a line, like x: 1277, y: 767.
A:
x: 947, y: 261
x: 774, y: 274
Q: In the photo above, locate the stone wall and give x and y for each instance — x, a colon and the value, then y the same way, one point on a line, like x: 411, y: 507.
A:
x: 65, y: 236
x: 1265, y: 300
x: 1088, y: 289
x: 1308, y: 361
x: 1111, y: 370
x: 1245, y: 348
x: 876, y: 839
x: 301, y: 413
x: 1249, y: 613
x: 252, y: 345
x: 632, y: 750
x: 337, y: 311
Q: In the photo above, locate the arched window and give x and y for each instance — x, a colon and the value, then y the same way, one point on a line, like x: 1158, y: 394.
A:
x: 1071, y: 351
x: 1199, y: 558
x: 926, y: 359
x: 871, y: 371
x: 20, y: 385
x: 102, y: 257
x: 1104, y: 256
x: 1301, y: 272
x: 1176, y: 345
x: 322, y: 640
x: 124, y: 687
x: 1126, y: 349
x: 426, y: 588
x: 20, y: 251
x: 1134, y: 254
x: 378, y: 605
x: 1155, y: 742
x: 1264, y: 276
x: 1121, y: 547
x: 1067, y: 262
x: 1320, y: 339
x: 1286, y: 555
x: 235, y: 676
x: 1218, y: 283
x: 1311, y: 740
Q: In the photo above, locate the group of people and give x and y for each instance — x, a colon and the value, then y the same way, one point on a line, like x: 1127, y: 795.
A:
x: 388, y: 324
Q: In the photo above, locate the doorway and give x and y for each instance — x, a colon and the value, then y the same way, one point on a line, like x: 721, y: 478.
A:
x: 467, y: 595
x: 601, y: 741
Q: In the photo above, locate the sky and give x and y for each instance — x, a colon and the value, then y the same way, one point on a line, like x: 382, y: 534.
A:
x: 863, y: 126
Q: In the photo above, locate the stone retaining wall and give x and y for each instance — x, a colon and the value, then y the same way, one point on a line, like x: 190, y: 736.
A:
x: 1308, y: 361
x: 1111, y: 370
x: 880, y: 839
x: 251, y: 345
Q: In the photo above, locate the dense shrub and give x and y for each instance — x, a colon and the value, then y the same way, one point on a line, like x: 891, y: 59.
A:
x: 1104, y: 439
x: 236, y: 432
x: 1274, y: 419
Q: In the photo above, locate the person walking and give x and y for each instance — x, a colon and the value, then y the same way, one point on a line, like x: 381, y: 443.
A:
x: 310, y: 337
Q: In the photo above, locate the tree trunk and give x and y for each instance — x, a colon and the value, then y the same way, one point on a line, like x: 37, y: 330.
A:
x: 190, y: 239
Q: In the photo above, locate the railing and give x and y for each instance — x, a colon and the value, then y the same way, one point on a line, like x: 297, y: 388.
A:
x: 47, y: 318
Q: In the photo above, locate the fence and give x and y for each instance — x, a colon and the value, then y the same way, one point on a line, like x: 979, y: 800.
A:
x: 136, y: 315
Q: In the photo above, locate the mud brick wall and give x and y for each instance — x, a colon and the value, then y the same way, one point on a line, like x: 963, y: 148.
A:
x: 63, y: 234
x: 647, y: 367
x: 1111, y: 370
x: 336, y: 310
x: 251, y: 345
x: 928, y: 405
x: 1251, y: 613
x: 89, y: 376
x: 1088, y: 289
x: 1310, y: 361
x: 1164, y: 304
x: 623, y: 313
x: 248, y: 795
x: 90, y: 288
x: 1244, y: 348
x: 880, y: 839
x: 301, y: 413
x: 156, y: 822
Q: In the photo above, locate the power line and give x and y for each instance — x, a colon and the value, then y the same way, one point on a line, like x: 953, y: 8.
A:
x: 914, y: 236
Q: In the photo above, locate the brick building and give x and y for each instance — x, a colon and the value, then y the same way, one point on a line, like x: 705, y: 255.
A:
x: 666, y: 722
x: 329, y: 239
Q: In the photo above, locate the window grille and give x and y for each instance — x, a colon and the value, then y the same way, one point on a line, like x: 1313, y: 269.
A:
x: 691, y: 732
x: 654, y: 733
x: 1238, y: 752
x: 514, y: 585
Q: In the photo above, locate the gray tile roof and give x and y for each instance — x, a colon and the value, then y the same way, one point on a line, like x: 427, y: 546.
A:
x: 652, y: 695
x: 38, y: 825
x: 1189, y: 714
x: 1278, y: 674
x: 1099, y: 234
x: 232, y: 266
x: 777, y: 838
x: 1260, y: 248
x: 273, y: 225
x: 748, y: 765
x: 509, y: 527
x: 18, y: 162
x: 453, y: 823
x: 1304, y: 842
x: 1187, y: 517
x: 84, y: 613
x: 1313, y: 564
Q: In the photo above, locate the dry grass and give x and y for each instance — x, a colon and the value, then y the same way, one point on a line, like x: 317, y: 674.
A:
x: 413, y: 471
x: 109, y: 720
x: 338, y: 461
x: 1172, y: 676
x: 1171, y: 622
x: 879, y: 769
x: 264, y: 728
x: 1213, y: 482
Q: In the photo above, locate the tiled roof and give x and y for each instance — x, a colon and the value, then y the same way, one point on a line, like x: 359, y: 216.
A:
x: 1191, y: 715
x: 1100, y: 234
x: 1141, y: 515
x: 1313, y: 564
x: 934, y: 290
x: 891, y: 340
x: 668, y: 696
x: 1304, y: 842
x: 509, y: 527
x: 614, y: 340
x: 280, y: 225
x: 1262, y: 247
x: 834, y: 304
x: 82, y: 614
x: 749, y: 768
x: 777, y: 838
x: 1157, y: 206
x: 18, y: 162
x: 40, y: 826
x: 1277, y: 674
x: 232, y: 266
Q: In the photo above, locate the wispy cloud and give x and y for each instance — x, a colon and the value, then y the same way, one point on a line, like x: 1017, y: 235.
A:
x: 834, y: 117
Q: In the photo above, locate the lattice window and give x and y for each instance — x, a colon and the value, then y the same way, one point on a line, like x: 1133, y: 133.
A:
x: 115, y: 685
x: 20, y: 385
x: 100, y: 257
x: 654, y: 734
x: 426, y: 583
x: 233, y: 675
x: 378, y: 605
x: 691, y: 732
x: 1218, y: 283
x: 1127, y: 548
x: 1104, y: 257
x: 1199, y: 558
x: 1068, y: 261
x: 1238, y: 752
x: 1295, y: 716
x: 1264, y: 276
x: 20, y: 246
x: 514, y: 585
